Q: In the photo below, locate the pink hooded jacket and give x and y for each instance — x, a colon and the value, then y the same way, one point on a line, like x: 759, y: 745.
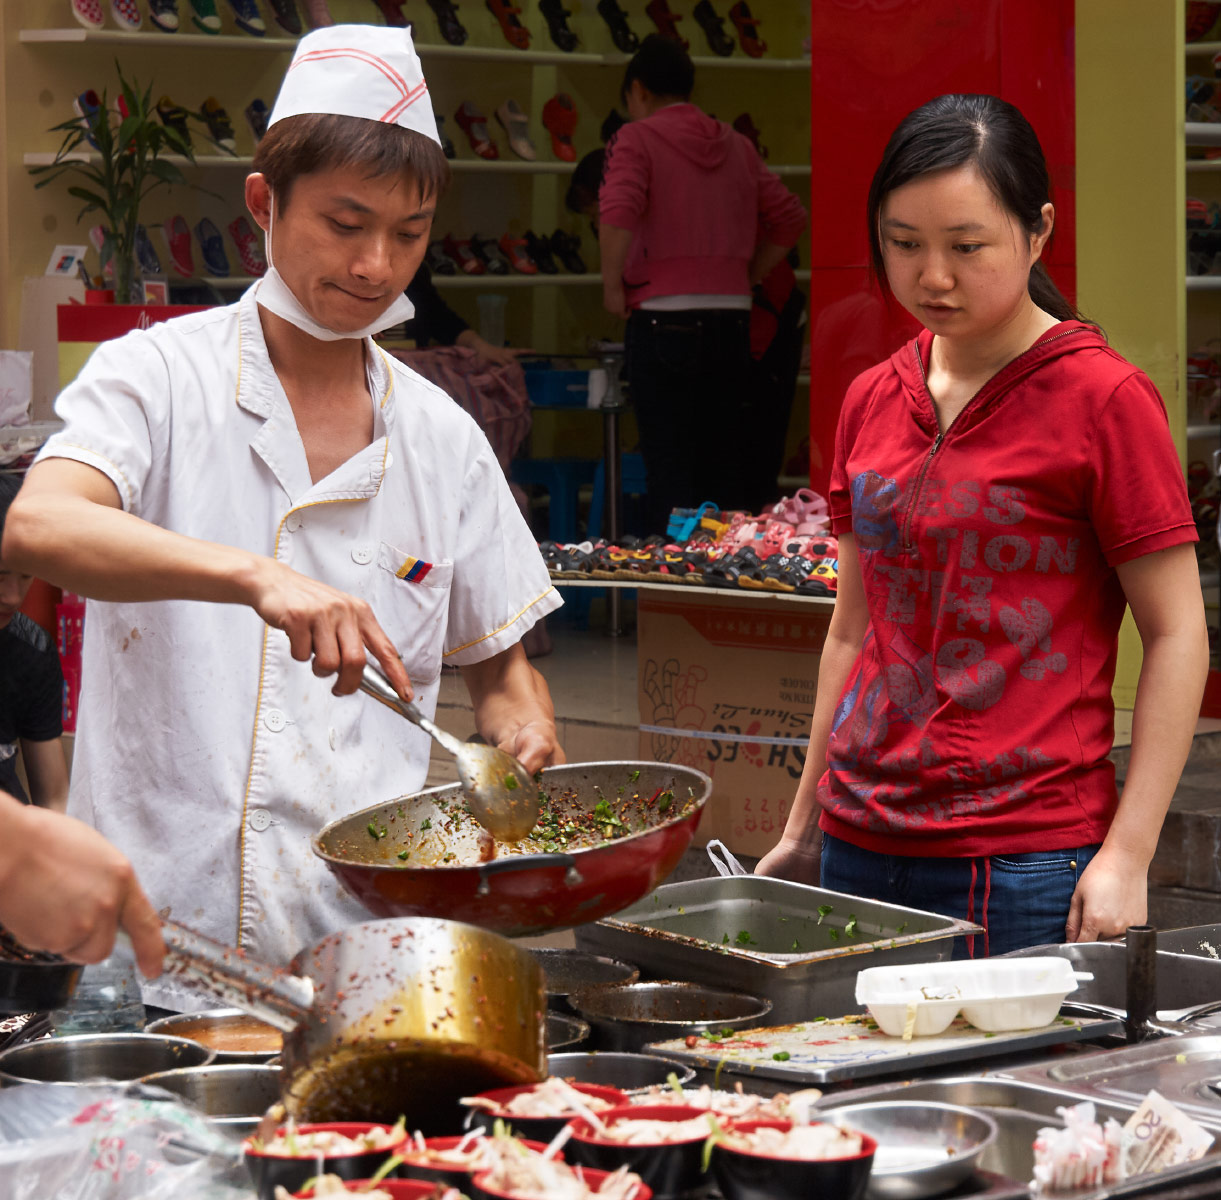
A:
x: 694, y: 193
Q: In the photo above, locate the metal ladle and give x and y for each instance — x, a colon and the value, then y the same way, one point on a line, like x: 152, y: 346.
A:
x: 499, y: 791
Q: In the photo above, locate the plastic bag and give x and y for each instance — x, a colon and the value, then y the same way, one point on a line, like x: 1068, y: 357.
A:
x: 730, y: 866
x: 112, y: 1142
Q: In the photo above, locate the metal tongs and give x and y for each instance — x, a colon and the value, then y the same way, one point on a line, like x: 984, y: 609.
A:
x: 499, y: 791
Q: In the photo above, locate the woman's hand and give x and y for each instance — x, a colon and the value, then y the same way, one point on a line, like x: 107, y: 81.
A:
x: 1112, y: 893
x: 796, y: 861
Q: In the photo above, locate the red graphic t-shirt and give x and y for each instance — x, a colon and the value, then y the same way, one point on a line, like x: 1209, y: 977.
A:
x: 978, y: 717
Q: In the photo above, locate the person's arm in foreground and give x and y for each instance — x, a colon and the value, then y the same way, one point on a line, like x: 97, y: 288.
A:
x: 1163, y: 591
x: 797, y: 854
x: 46, y: 770
x: 65, y: 889
x: 501, y: 356
x: 614, y: 244
x: 513, y: 708
x: 67, y: 526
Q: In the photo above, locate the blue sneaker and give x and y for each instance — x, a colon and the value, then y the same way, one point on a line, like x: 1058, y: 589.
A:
x: 246, y: 16
x: 212, y: 246
x: 146, y: 256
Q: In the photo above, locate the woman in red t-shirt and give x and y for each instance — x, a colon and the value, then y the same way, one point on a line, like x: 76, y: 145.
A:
x: 1003, y: 486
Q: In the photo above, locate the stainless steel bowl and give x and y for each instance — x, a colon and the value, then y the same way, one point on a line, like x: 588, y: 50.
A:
x: 627, y: 1072
x: 235, y: 1096
x: 85, y: 1057
x: 924, y: 1148
x: 630, y: 1016
x: 212, y: 1028
x: 565, y: 1033
x: 569, y: 971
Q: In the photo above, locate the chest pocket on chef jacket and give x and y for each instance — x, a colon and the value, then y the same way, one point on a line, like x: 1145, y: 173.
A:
x: 411, y: 603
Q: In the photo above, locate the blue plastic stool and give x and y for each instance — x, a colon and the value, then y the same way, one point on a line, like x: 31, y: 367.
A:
x: 632, y: 472
x: 562, y: 477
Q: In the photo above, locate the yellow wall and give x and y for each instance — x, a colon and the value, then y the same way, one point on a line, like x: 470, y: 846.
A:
x: 1131, y: 246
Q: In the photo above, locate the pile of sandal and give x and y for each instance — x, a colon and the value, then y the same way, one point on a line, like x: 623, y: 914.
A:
x: 786, y: 549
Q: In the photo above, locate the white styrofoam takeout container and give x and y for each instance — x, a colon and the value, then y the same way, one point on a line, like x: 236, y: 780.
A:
x: 995, y: 995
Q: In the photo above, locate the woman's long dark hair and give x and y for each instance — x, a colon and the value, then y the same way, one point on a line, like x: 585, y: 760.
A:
x: 951, y: 131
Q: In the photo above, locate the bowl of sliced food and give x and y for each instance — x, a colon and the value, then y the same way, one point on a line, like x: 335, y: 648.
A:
x: 784, y: 1160
x: 537, y: 1178
x: 453, y: 1160
x: 540, y: 1110
x: 295, y: 1154
x: 370, y: 1189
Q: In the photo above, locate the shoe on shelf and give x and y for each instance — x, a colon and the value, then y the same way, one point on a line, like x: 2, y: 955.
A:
x: 719, y: 42
x: 517, y: 125
x: 212, y: 247
x: 178, y: 239
x: 560, y: 119
x: 220, y: 128
x: 204, y: 16
x: 146, y: 256
x: 257, y: 114
x: 317, y: 13
x: 126, y: 14
x: 164, y: 15
x: 748, y: 29
x: 97, y: 236
x: 89, y: 13
x: 516, y: 34
x: 438, y: 262
x: 556, y: 16
x: 174, y: 116
x: 447, y: 143
x: 539, y: 250
x: 514, y: 250
x: 88, y: 106
x: 446, y: 12
x: 666, y: 21
x: 621, y: 33
x: 392, y: 10
x: 568, y: 247
x: 249, y: 252
x: 475, y: 125
x: 611, y: 126
x: 487, y: 251
x: 287, y: 16
x: 247, y: 18
x: 746, y: 127
x: 459, y: 249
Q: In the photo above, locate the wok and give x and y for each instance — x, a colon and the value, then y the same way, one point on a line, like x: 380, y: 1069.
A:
x: 388, y: 1018
x: 609, y: 833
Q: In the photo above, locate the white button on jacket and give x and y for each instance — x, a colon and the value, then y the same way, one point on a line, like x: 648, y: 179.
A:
x: 196, y: 724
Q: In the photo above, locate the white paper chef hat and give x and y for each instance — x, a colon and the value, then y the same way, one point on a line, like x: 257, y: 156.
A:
x: 365, y: 71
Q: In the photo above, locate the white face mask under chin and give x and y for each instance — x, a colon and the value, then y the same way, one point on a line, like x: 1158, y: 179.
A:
x: 276, y: 296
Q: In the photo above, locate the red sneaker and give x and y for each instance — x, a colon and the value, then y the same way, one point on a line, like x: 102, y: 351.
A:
x: 460, y: 251
x: 514, y: 249
x: 560, y: 119
x: 178, y: 239
x: 515, y: 33
x: 475, y: 126
x: 249, y: 252
x: 89, y: 13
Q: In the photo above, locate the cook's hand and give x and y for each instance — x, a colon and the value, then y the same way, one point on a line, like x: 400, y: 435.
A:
x: 796, y: 861
x: 65, y: 889
x: 536, y: 745
x: 1112, y: 893
x: 327, y: 625
x: 614, y: 297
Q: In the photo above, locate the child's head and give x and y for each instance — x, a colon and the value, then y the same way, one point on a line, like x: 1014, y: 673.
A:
x: 13, y: 584
x: 662, y: 68
x: 965, y: 139
x: 585, y: 184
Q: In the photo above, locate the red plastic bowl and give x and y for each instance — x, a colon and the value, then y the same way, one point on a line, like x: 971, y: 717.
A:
x: 542, y: 1129
x: 400, y: 1189
x: 667, y: 1167
x: 593, y: 1178
x: 745, y: 1175
x: 270, y: 1171
x: 458, y: 1177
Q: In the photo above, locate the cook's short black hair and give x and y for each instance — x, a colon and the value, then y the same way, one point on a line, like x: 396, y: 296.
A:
x: 10, y: 485
x: 663, y: 66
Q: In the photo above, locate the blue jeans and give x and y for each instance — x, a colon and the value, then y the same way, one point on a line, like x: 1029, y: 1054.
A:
x: 1027, y: 895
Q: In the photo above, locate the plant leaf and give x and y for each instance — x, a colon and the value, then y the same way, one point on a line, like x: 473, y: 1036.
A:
x: 166, y: 172
x: 84, y: 194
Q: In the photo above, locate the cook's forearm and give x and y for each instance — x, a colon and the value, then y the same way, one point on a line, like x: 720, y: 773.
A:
x: 507, y: 693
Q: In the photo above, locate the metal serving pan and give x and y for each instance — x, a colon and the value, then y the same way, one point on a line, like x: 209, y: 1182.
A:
x: 799, y: 947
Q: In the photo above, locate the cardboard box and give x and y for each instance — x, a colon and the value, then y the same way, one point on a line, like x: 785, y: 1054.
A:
x: 726, y: 684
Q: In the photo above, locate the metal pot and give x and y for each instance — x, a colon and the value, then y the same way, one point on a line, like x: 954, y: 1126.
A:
x: 387, y: 1018
x: 221, y: 1030
x: 569, y: 971
x: 627, y: 1072
x: 85, y: 1057
x: 565, y: 1032
x: 234, y: 1096
x: 424, y: 855
x: 630, y: 1017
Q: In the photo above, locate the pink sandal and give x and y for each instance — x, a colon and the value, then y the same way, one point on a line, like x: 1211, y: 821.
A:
x: 805, y: 510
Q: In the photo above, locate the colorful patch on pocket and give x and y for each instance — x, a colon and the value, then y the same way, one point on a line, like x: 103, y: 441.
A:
x: 414, y: 570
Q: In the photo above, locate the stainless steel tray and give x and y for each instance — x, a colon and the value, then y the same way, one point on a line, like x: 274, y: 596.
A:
x: 827, y: 1051
x: 1203, y: 941
x: 768, y: 937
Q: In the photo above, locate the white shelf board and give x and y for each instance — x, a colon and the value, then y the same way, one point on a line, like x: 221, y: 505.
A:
x: 702, y: 592
x: 802, y: 276
x: 803, y: 379
x: 1200, y: 49
x: 427, y: 50
x: 245, y: 162
x: 46, y: 159
x: 1204, y: 283
x: 1204, y: 164
x: 792, y: 169
x: 496, y: 281
x: 1205, y: 430
x: 1202, y: 133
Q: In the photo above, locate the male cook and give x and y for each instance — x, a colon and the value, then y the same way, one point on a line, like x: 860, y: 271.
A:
x: 253, y: 497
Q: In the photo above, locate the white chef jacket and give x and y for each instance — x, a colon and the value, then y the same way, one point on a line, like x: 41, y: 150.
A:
x: 204, y: 751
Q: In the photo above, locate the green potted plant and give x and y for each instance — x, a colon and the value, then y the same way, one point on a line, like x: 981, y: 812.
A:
x: 117, y: 162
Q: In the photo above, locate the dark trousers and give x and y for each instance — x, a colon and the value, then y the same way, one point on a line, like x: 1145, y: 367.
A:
x: 690, y: 385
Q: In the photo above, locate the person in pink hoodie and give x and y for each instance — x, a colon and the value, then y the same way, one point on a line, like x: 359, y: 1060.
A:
x: 683, y: 200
